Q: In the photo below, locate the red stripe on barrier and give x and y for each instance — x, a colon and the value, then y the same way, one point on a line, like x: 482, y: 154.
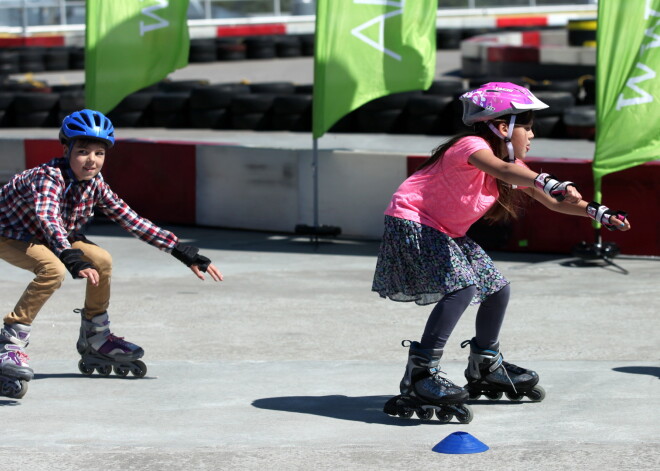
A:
x: 513, y: 54
x: 540, y: 230
x: 45, y: 41
x: 251, y: 30
x: 518, y: 21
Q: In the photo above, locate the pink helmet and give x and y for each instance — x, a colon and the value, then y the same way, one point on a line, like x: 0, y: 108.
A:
x: 495, y: 99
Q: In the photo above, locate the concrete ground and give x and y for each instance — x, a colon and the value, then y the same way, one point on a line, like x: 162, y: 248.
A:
x: 288, y: 362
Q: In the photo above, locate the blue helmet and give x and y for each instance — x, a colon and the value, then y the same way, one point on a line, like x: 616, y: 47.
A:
x: 87, y: 123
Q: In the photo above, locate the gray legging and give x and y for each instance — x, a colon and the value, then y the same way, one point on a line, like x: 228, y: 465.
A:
x: 450, y: 308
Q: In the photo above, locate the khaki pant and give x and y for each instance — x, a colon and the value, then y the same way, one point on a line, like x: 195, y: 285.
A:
x: 50, y: 272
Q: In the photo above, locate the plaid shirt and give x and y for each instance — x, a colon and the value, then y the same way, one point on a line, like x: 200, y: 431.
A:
x: 49, y: 204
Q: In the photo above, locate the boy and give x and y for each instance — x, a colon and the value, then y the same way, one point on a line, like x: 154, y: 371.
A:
x: 43, y: 212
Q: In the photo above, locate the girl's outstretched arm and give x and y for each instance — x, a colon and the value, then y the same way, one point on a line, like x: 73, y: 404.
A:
x: 518, y: 175
x: 578, y: 209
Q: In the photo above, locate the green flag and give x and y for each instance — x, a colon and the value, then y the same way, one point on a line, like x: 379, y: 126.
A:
x: 130, y: 45
x: 628, y: 86
x: 366, y: 49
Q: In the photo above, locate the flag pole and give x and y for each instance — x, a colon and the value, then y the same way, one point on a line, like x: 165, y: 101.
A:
x: 315, y: 179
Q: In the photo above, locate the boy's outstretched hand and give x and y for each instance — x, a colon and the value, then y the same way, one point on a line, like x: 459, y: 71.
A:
x: 211, y: 270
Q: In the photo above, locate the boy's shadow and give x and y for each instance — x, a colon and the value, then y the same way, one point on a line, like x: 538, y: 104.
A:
x: 640, y: 370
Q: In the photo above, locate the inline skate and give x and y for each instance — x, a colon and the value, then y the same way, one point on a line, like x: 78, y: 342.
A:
x: 104, y: 352
x: 488, y: 374
x: 425, y: 392
x: 15, y: 372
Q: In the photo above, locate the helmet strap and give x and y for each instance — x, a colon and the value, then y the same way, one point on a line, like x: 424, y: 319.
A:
x: 507, y: 138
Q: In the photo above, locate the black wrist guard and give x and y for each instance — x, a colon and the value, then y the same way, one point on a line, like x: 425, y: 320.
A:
x: 73, y: 261
x: 189, y: 255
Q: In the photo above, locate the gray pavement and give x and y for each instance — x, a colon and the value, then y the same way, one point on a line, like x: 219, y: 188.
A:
x: 288, y: 362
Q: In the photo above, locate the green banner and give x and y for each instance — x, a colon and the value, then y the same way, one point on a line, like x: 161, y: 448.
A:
x: 130, y: 45
x: 366, y: 49
x: 627, y: 86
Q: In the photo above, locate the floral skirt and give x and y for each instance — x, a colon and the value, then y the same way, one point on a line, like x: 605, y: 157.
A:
x: 421, y: 264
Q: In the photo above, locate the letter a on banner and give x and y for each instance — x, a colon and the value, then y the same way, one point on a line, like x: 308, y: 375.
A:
x: 627, y: 86
x: 131, y: 44
x: 366, y: 49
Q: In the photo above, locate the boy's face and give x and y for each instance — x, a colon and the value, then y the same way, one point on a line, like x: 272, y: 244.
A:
x: 86, y: 159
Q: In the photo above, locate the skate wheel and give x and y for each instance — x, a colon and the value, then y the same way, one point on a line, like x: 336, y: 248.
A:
x: 120, y: 371
x: 23, y: 391
x: 443, y: 416
x: 405, y: 413
x: 514, y: 397
x: 465, y: 414
x: 494, y: 396
x: 537, y: 394
x: 425, y: 414
x: 474, y: 395
x: 104, y: 370
x: 84, y: 369
x: 139, y: 369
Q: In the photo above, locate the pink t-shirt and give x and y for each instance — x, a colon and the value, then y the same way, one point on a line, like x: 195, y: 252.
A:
x: 451, y: 194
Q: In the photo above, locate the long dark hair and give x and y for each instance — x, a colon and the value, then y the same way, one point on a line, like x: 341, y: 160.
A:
x: 510, y: 201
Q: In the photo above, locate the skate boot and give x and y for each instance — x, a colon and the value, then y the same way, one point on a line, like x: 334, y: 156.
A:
x: 15, y: 371
x: 104, y: 352
x: 424, y: 391
x: 487, y: 373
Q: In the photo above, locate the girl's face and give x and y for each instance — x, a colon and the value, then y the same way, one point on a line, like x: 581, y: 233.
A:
x: 86, y: 159
x: 521, y: 138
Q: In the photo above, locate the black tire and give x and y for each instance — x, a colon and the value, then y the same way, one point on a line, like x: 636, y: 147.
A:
x: 589, y: 87
x: 557, y: 102
x: 424, y: 105
x: 307, y: 45
x: 210, y: 98
x: 446, y: 87
x: 549, y: 127
x: 250, y: 104
x: 6, y: 99
x: 288, y: 46
x: 170, y: 109
x: 230, y: 49
x: 306, y: 89
x: 448, y: 39
x: 260, y: 47
x: 209, y: 119
x: 56, y: 58
x: 181, y: 85
x: 202, y: 50
x: 9, y: 62
x: 35, y: 102
x: 31, y: 59
x: 379, y: 121
x: 35, y: 119
x: 127, y: 119
x: 395, y: 101
x: 346, y: 124
x: 249, y: 121
x: 292, y: 104
x: 571, y: 86
x: 77, y: 58
x: 138, y: 101
x: 71, y: 101
x: 424, y: 124
x: 275, y: 88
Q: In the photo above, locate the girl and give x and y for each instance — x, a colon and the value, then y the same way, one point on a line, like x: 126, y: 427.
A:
x: 426, y: 257
x: 43, y: 212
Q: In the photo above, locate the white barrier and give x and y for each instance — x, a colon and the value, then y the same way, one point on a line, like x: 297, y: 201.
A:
x: 272, y: 189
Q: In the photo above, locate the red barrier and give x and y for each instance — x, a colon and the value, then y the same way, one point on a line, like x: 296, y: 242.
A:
x: 513, y: 54
x: 521, y: 21
x: 634, y: 190
x: 156, y: 179
x: 251, y: 30
x: 45, y: 41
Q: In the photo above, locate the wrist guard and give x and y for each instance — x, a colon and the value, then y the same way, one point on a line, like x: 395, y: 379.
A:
x: 73, y: 261
x: 603, y: 215
x: 551, y: 186
x: 189, y: 255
